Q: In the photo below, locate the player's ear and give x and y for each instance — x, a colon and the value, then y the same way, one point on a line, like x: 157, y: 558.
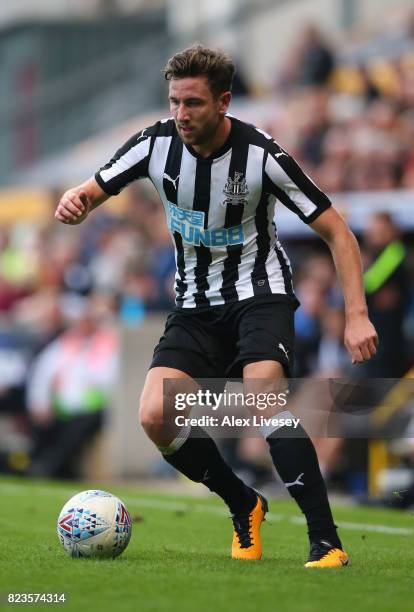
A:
x: 224, y: 102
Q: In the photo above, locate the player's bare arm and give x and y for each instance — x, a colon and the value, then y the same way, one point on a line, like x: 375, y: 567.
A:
x: 360, y: 336
x: 76, y: 203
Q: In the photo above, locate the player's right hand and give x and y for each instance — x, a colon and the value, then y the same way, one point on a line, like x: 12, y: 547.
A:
x: 73, y: 207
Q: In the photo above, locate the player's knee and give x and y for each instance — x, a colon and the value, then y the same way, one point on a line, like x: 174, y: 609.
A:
x: 151, y: 416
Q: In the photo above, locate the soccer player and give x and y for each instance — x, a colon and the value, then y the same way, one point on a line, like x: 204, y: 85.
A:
x: 218, y: 179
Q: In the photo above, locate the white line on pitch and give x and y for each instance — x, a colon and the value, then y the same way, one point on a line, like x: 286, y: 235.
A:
x: 271, y: 516
x: 206, y: 508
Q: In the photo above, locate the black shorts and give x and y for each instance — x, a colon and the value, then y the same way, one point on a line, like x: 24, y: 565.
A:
x: 219, y: 341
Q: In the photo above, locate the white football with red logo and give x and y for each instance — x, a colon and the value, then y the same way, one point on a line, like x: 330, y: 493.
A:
x: 94, y: 524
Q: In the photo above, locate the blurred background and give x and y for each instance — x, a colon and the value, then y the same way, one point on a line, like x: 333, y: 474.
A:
x: 81, y: 308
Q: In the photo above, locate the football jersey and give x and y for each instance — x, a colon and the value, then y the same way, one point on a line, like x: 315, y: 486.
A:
x: 220, y: 209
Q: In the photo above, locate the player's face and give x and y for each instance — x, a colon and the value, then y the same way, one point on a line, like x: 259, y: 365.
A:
x: 196, y: 111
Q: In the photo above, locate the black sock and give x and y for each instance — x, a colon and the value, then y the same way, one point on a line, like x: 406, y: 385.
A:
x: 199, y: 459
x: 296, y: 461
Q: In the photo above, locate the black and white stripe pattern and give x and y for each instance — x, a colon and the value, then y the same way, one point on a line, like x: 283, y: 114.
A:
x: 220, y: 209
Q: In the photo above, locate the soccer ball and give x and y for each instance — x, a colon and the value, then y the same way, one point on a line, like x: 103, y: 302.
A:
x: 94, y: 524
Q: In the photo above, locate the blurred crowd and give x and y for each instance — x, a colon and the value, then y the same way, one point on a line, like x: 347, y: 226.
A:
x: 348, y: 117
x: 64, y: 292
x: 347, y: 112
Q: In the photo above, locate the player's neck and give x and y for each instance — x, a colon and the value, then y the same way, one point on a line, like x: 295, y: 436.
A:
x: 217, y: 141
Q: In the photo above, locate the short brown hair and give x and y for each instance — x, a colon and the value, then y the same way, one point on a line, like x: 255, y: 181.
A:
x: 199, y: 60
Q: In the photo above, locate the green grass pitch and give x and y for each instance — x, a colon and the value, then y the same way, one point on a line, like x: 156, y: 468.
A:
x: 178, y: 557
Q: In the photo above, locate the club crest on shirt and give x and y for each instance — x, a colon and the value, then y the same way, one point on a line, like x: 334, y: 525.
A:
x: 236, y: 190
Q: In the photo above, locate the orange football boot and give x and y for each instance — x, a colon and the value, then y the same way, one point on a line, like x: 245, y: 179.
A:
x: 323, y: 554
x: 246, y: 536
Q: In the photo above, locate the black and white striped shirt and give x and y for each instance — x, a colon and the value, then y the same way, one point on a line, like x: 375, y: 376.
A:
x: 220, y: 209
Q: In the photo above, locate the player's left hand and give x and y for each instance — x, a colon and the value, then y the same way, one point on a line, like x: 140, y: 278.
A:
x: 361, y: 339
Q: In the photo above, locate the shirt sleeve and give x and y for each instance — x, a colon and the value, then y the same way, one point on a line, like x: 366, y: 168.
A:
x: 292, y: 187
x: 128, y: 164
